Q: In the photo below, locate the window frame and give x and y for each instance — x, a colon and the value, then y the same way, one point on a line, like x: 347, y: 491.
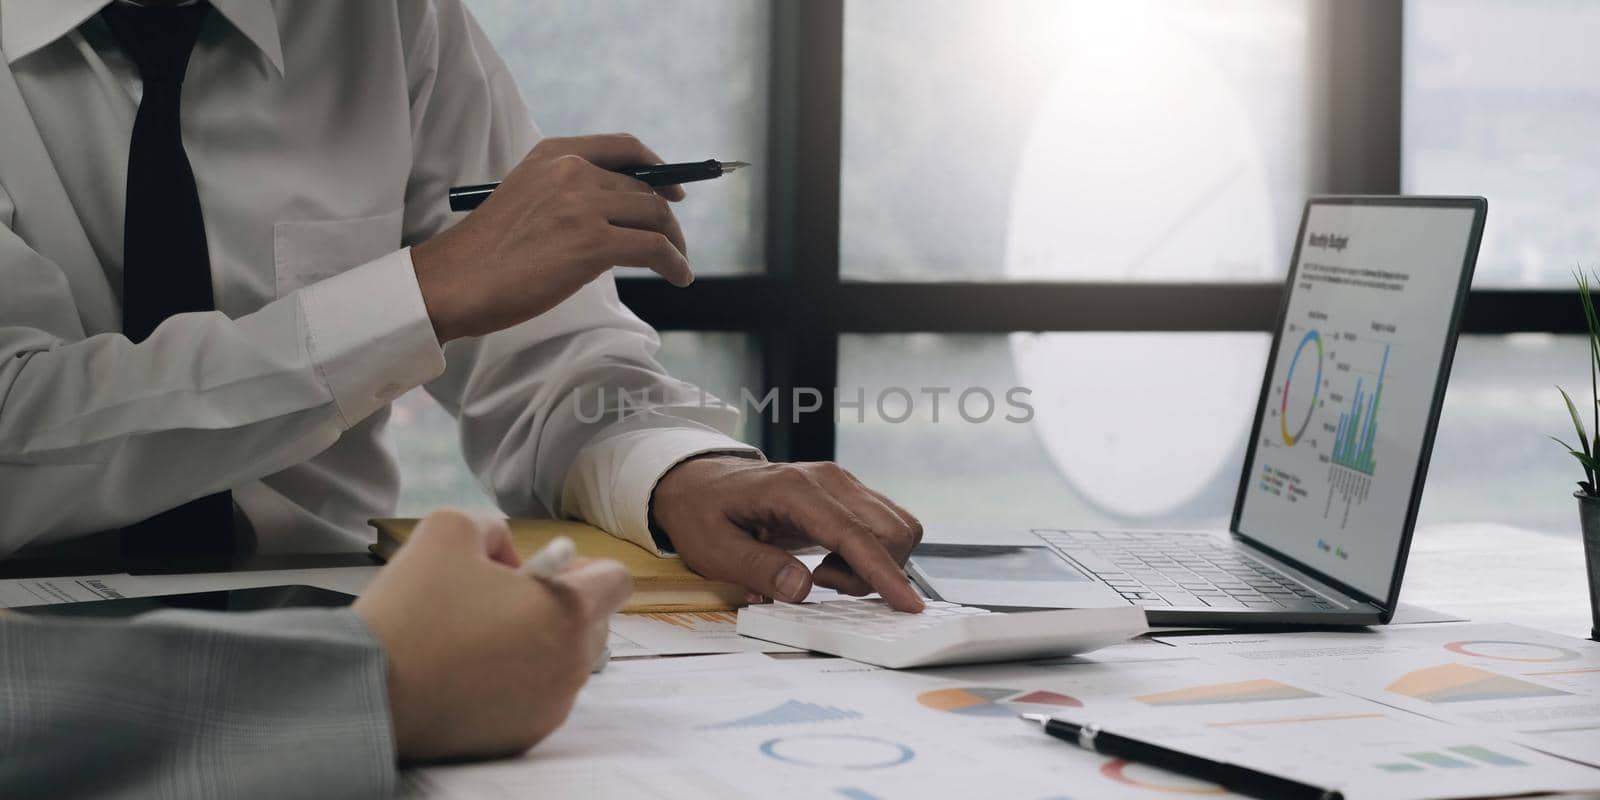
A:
x: 800, y: 307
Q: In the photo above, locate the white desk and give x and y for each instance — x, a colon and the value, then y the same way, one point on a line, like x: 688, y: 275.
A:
x: 1497, y: 573
x: 1483, y: 572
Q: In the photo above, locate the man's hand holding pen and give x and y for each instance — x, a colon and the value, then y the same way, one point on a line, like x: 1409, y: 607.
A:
x: 558, y: 221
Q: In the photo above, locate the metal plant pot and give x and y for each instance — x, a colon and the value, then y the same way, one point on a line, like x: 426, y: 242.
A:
x: 1589, y: 515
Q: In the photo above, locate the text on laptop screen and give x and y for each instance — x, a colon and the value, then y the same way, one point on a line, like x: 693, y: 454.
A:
x: 1352, y: 385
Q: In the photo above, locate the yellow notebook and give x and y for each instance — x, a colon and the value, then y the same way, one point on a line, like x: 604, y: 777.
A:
x: 659, y: 584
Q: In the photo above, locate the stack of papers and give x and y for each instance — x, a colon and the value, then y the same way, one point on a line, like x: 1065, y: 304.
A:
x: 683, y: 633
x: 749, y: 725
x: 1532, y: 687
x: 1413, y: 712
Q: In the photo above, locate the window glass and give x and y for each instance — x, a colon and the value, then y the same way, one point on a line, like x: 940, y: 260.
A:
x: 1130, y: 429
x: 1148, y: 430
x: 433, y: 473
x: 720, y: 363
x: 1493, y: 459
x: 1052, y: 139
x: 1501, y: 98
x: 688, y: 77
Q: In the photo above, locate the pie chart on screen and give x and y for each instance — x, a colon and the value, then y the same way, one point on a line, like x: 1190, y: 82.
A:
x: 1141, y: 165
x: 989, y: 701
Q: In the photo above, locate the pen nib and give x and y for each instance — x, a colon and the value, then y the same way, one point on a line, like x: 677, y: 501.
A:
x: 1039, y: 718
x: 729, y: 166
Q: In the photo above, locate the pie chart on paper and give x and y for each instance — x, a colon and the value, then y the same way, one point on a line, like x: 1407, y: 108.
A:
x: 1501, y: 650
x: 988, y: 701
x: 1128, y: 773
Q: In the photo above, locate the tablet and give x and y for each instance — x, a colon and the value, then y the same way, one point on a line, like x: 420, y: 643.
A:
x: 253, y: 599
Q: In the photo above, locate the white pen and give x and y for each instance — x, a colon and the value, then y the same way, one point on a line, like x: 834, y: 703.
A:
x: 548, y: 563
x: 550, y: 560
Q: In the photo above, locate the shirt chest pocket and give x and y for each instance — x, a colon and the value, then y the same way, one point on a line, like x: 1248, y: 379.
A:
x: 307, y: 251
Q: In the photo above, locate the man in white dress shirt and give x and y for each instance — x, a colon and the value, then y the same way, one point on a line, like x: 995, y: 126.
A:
x: 323, y: 138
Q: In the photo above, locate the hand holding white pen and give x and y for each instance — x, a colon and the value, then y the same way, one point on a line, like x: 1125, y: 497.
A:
x: 481, y: 660
x: 550, y: 560
x: 547, y: 564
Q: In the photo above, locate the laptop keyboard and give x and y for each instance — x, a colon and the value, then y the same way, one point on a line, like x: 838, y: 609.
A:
x: 1153, y: 569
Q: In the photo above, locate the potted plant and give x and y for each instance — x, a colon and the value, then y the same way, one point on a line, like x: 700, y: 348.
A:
x: 1588, y: 454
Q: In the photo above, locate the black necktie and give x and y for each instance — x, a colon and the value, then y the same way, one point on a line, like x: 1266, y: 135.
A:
x: 166, y: 268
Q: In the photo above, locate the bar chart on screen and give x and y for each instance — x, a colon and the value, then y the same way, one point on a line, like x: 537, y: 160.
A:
x: 1327, y: 408
x: 1358, y: 428
x: 1353, y: 461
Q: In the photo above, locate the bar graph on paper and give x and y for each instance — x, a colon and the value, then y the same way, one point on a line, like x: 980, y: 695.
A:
x: 789, y: 712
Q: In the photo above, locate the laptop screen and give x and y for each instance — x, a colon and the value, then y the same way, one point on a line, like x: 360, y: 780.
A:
x: 1348, y: 406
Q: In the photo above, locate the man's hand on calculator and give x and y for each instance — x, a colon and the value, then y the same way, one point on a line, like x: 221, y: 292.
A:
x: 736, y: 519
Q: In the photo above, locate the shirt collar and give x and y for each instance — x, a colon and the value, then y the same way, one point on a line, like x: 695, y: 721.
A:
x: 27, y: 25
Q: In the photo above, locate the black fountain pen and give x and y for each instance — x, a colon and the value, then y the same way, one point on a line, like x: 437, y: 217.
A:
x: 1233, y: 777
x: 466, y: 198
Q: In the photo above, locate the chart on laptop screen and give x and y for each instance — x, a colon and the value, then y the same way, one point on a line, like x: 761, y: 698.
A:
x: 1353, y: 381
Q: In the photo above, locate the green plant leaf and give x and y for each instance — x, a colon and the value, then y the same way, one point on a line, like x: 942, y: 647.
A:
x: 1588, y: 463
x: 1587, y: 300
x: 1577, y: 422
x: 1592, y: 320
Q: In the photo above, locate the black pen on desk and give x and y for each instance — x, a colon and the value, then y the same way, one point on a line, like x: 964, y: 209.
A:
x: 1233, y: 777
x: 466, y: 198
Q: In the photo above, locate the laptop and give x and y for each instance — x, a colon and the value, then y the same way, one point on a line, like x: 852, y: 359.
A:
x: 1337, y: 454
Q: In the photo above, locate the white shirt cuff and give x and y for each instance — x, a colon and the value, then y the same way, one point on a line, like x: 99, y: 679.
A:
x: 370, y: 335
x: 611, y: 484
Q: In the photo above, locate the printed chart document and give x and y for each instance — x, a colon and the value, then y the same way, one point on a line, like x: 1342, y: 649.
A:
x: 683, y: 633
x: 1537, y: 688
x: 738, y: 726
x: 746, y: 725
x: 695, y: 632
x: 1254, y: 715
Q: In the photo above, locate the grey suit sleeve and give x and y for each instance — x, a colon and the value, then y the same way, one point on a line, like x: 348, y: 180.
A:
x: 280, y: 704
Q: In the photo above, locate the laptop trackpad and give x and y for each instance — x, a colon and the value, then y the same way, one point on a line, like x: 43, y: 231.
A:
x: 999, y: 575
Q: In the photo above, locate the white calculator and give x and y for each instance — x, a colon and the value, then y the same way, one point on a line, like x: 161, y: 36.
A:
x: 944, y: 633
